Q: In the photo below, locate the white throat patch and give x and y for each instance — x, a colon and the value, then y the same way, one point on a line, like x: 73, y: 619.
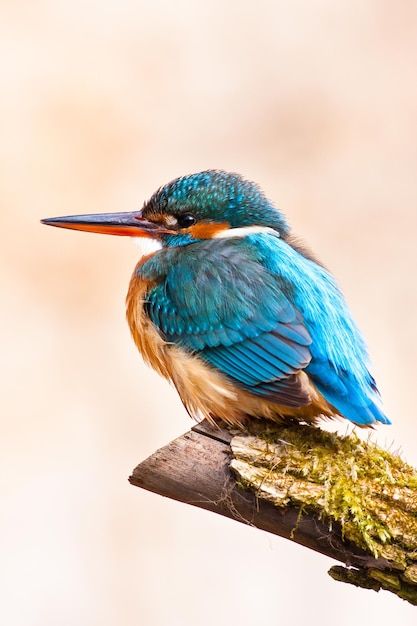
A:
x: 244, y: 232
x: 146, y: 245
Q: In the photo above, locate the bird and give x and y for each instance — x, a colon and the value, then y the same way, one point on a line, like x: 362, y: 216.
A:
x: 235, y: 311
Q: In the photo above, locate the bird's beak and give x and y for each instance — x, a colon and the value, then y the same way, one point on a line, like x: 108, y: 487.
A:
x: 124, y: 224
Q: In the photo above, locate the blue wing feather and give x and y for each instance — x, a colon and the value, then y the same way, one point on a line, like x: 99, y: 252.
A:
x: 339, y: 363
x: 236, y: 317
x: 259, y: 311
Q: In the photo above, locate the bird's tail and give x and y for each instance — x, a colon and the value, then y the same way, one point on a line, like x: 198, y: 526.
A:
x: 349, y: 398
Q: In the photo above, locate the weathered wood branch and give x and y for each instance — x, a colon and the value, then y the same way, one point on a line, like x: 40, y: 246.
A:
x: 293, y: 482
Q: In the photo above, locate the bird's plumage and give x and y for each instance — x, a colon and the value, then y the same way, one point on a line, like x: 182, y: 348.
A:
x: 259, y: 312
x: 235, y: 311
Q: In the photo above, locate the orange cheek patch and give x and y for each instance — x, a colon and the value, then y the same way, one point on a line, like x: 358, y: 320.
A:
x: 207, y: 230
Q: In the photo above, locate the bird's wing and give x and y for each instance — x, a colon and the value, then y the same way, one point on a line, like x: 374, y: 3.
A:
x: 225, y: 306
x: 339, y: 363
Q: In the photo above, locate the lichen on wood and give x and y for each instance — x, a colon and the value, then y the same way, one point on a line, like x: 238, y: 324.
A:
x: 369, y: 492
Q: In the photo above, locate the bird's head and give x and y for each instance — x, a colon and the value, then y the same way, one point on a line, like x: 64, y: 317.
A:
x: 188, y: 209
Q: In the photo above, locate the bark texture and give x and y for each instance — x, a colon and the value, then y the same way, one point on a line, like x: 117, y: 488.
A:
x: 340, y: 496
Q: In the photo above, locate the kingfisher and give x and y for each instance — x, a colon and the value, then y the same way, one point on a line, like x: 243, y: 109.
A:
x: 239, y: 315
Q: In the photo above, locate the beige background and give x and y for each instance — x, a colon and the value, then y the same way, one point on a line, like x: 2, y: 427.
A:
x: 101, y: 102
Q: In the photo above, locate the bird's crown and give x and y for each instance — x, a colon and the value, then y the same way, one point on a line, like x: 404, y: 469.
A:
x: 206, y: 202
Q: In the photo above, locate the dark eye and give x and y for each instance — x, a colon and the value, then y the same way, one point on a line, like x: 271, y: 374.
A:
x: 186, y: 220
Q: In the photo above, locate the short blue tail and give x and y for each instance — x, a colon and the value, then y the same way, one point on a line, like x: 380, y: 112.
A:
x: 354, y: 402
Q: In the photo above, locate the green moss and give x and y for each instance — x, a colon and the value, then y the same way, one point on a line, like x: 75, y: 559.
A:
x: 370, y: 492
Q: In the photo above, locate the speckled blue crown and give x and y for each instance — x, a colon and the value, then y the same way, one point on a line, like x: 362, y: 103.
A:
x: 220, y: 196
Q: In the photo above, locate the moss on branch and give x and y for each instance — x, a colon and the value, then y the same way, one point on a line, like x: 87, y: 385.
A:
x: 369, y: 492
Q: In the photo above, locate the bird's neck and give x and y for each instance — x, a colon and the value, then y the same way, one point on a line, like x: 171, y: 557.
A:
x: 146, y: 246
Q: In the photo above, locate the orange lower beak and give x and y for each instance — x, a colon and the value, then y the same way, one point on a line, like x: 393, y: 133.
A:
x: 123, y: 224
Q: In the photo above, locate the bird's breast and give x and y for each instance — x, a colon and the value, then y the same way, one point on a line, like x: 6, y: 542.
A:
x: 204, y: 391
x: 145, y: 335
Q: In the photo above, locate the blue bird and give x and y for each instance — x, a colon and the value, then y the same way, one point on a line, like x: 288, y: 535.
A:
x: 234, y: 311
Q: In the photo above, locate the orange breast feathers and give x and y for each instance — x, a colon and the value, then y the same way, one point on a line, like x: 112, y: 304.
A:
x: 205, y: 392
x: 145, y: 335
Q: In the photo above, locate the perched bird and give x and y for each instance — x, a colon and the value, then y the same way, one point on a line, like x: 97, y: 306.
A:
x: 234, y: 311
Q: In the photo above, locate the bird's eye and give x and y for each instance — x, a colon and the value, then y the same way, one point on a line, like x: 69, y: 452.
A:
x: 186, y: 220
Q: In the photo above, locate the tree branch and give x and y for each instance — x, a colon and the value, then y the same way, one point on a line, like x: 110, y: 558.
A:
x: 264, y: 479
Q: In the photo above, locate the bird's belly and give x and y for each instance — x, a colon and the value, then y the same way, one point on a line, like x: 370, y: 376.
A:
x: 206, y: 392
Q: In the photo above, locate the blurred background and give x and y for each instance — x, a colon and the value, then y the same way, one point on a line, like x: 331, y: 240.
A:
x: 101, y: 102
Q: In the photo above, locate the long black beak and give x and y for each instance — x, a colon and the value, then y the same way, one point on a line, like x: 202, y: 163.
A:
x: 123, y: 224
